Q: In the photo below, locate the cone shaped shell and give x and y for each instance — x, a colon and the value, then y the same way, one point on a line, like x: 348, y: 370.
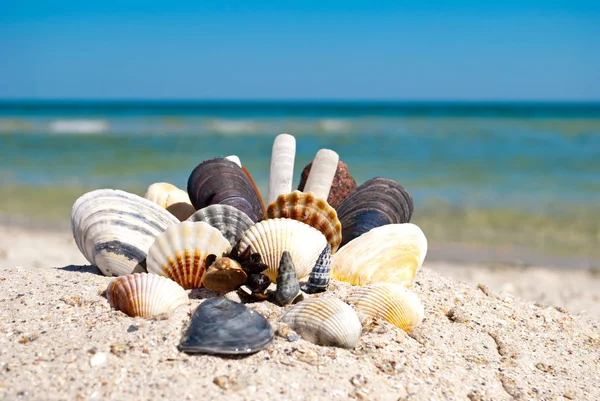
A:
x: 220, y: 181
x: 375, y: 203
x: 393, y: 253
x: 180, y: 252
x: 318, y: 280
x: 391, y: 302
x: 325, y: 321
x: 171, y: 198
x: 271, y: 237
x: 309, y: 209
x: 145, y: 295
x: 288, y: 288
x: 113, y: 229
x: 232, y: 222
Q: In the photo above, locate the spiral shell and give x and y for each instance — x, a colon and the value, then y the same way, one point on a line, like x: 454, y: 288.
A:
x: 145, y: 295
x: 171, y: 198
x: 325, y: 321
x: 180, y: 252
x: 309, y: 209
x: 288, y: 288
x: 232, y: 222
x: 271, y: 237
x: 113, y: 229
x: 318, y: 280
x: 392, y: 253
x: 391, y: 302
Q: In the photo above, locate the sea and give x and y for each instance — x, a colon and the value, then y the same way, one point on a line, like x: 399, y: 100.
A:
x: 506, y: 183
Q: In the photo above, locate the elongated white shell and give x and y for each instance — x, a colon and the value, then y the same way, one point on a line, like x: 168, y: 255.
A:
x: 321, y: 173
x: 392, y: 253
x: 271, y: 237
x: 170, y: 197
x: 325, y: 321
x: 392, y: 302
x: 282, y: 166
x: 113, y: 229
x: 180, y: 252
x: 145, y: 295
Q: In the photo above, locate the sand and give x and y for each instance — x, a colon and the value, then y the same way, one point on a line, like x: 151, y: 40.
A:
x: 520, y: 334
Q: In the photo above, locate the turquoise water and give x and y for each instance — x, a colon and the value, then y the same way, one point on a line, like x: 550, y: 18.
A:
x: 479, y: 173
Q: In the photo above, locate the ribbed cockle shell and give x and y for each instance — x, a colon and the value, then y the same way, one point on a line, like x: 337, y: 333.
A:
x: 232, y: 222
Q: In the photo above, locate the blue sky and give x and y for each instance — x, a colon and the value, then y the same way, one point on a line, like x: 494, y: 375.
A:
x: 394, y: 50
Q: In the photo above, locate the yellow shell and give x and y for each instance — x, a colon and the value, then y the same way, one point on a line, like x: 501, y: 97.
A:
x: 391, y: 302
x: 311, y: 210
x: 171, y: 198
x: 180, y: 252
x: 224, y: 274
x: 392, y: 253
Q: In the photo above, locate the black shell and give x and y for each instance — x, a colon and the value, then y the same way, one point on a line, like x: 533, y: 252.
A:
x: 375, y: 203
x: 221, y: 326
x: 288, y: 288
x: 220, y: 181
x: 320, y: 274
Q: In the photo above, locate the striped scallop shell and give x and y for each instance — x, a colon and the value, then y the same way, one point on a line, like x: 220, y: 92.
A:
x: 180, y: 252
x: 325, y: 321
x: 392, y: 253
x: 145, y: 295
x: 113, y: 229
x: 171, y: 198
x: 271, y: 237
x: 307, y: 208
x: 232, y: 222
x: 392, y: 302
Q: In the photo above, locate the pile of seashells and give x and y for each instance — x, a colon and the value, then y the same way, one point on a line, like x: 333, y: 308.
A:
x: 220, y: 236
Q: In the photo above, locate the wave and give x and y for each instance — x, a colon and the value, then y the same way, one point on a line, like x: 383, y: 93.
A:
x: 79, y: 126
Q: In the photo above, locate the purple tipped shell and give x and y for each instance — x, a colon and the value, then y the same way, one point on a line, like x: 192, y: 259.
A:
x: 320, y: 274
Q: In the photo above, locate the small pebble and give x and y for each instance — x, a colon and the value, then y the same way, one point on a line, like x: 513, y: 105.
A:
x: 98, y: 359
x: 132, y: 328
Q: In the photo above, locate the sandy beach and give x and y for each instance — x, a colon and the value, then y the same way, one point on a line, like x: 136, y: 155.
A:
x: 491, y: 332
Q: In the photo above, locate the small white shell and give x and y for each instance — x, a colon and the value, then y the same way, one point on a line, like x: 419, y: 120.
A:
x: 392, y: 302
x: 180, y: 252
x: 271, y: 237
x: 325, y: 321
x: 321, y: 173
x: 145, y: 295
x: 170, y: 197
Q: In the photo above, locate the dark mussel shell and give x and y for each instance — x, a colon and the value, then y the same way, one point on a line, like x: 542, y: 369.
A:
x: 221, y: 326
x: 375, y: 203
x: 221, y: 181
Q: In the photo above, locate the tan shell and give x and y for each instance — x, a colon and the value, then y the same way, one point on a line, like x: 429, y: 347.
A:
x: 311, y: 210
x: 170, y: 197
x: 325, y: 321
x: 180, y: 252
x: 392, y: 302
x: 392, y: 253
x: 271, y: 237
x: 224, y: 274
x: 145, y: 295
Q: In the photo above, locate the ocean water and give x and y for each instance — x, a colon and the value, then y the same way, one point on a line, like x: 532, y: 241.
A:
x: 516, y: 183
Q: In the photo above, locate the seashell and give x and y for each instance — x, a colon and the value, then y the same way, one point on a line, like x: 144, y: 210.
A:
x: 271, y: 237
x: 113, y: 229
x: 221, y: 326
x: 171, y: 198
x: 180, y: 252
x: 392, y: 302
x: 392, y: 253
x: 282, y: 166
x: 343, y: 183
x: 220, y: 181
x: 262, y: 205
x: 257, y: 283
x: 325, y: 321
x: 232, y: 222
x: 375, y: 203
x: 288, y: 288
x: 318, y: 280
x: 145, y: 295
x: 224, y: 274
x: 309, y: 209
x: 322, y: 172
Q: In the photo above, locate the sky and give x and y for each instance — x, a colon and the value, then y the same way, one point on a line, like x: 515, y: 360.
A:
x: 304, y: 50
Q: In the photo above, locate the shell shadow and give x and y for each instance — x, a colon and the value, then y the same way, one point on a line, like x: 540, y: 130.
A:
x: 81, y: 269
x: 203, y: 293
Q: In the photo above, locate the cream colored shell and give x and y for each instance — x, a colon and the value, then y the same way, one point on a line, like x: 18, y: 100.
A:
x: 392, y: 253
x: 270, y: 238
x: 170, y: 197
x: 391, y: 302
x: 145, y: 295
x: 180, y: 252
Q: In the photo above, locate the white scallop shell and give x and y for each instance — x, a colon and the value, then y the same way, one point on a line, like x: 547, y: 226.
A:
x: 270, y: 238
x: 392, y: 253
x: 145, y: 295
x: 113, y: 229
x: 180, y: 252
x: 392, y: 302
x: 325, y: 321
x: 170, y: 197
